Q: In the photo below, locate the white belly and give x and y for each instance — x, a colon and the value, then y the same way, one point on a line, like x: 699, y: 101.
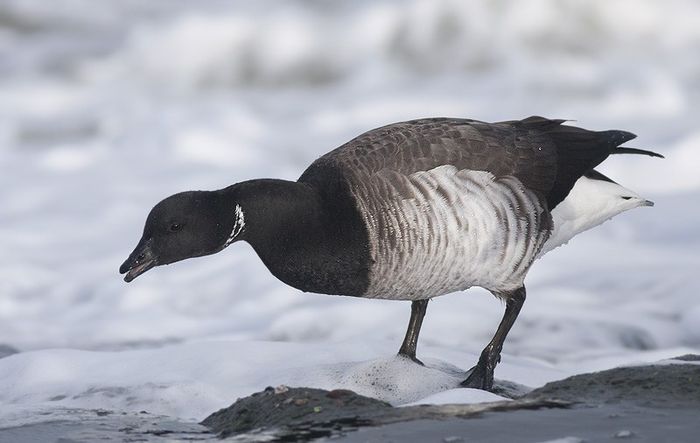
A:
x: 446, y: 230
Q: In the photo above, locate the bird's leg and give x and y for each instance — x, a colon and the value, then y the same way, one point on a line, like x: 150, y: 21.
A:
x: 408, y: 347
x: 481, y: 376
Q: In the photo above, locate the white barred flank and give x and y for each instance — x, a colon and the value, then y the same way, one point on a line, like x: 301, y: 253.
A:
x: 445, y: 230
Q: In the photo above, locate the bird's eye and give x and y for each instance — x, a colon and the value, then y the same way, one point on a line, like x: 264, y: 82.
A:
x: 175, y: 227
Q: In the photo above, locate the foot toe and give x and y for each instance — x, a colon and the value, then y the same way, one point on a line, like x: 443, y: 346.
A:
x: 412, y: 358
x: 478, y: 379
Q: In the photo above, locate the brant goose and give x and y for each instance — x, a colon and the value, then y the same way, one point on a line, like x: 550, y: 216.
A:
x: 410, y: 211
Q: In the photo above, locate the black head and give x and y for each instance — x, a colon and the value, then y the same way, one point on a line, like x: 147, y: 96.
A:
x: 185, y: 225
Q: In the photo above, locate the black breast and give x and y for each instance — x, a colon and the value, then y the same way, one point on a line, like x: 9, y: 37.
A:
x: 316, y: 239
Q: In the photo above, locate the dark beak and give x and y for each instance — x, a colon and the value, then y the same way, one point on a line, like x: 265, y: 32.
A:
x: 140, y: 261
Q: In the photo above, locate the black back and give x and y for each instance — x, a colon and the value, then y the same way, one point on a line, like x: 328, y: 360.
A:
x: 546, y: 156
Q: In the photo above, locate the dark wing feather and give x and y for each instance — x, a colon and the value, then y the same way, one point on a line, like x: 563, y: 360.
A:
x: 546, y: 156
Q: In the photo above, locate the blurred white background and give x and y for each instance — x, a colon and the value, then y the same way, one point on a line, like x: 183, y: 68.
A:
x: 108, y: 107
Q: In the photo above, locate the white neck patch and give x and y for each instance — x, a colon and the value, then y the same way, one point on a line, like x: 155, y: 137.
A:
x: 238, y: 225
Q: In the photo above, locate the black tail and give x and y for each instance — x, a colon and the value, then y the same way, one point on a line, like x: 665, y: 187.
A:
x: 626, y: 150
x: 615, y: 138
x: 578, y: 151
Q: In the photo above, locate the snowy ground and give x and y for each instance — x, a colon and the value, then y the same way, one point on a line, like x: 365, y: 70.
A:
x: 105, y: 108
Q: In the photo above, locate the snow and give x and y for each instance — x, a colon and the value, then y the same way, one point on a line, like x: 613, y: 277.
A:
x: 191, y: 380
x: 108, y: 108
x: 456, y: 396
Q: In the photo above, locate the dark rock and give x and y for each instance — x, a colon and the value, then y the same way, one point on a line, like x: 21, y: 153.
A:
x: 294, y: 407
x: 303, y: 414
x: 688, y: 357
x: 667, y: 386
x: 306, y: 413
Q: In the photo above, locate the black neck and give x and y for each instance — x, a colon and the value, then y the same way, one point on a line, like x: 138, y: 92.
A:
x: 276, y: 210
x: 304, y: 239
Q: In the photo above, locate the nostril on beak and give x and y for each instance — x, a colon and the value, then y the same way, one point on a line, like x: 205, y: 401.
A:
x: 140, y: 257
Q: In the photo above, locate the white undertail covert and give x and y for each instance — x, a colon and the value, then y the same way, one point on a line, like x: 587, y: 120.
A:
x: 589, y: 204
